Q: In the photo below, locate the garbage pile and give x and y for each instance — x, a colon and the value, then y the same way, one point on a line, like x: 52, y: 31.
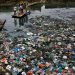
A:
x: 47, y: 49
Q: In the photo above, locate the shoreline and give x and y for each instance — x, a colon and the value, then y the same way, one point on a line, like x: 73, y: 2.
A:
x: 58, y: 4
x: 4, y: 7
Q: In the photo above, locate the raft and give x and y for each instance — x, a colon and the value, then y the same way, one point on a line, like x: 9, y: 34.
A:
x: 22, y: 15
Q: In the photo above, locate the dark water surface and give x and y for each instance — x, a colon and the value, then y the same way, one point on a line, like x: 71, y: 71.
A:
x: 58, y: 13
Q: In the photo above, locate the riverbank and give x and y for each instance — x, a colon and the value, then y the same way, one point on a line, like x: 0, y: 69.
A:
x: 9, y: 6
x: 55, y: 5
x: 48, y: 4
x: 5, y: 6
x: 60, y: 4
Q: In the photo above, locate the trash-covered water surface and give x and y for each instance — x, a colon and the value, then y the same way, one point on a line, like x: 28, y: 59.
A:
x: 43, y: 45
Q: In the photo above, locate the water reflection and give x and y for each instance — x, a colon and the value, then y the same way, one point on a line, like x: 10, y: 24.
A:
x: 21, y: 21
x: 15, y: 22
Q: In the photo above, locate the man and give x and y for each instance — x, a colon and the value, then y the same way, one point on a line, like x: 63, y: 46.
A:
x: 15, y: 9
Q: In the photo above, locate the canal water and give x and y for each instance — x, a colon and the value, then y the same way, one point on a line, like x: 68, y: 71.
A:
x: 68, y: 15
